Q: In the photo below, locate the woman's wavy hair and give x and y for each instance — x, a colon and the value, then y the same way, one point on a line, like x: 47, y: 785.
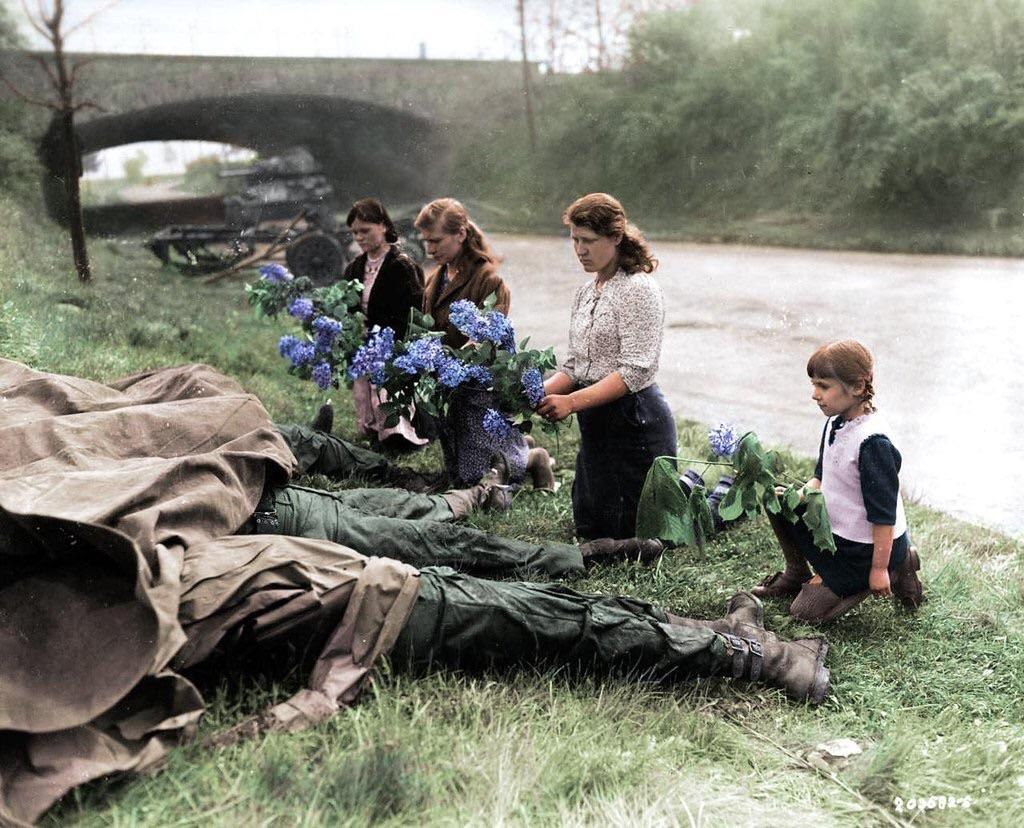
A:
x: 372, y: 212
x: 605, y: 216
x: 450, y: 217
x: 848, y: 362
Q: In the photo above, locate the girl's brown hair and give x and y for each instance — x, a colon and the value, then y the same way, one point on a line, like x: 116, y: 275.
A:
x: 847, y: 361
x: 372, y: 212
x: 450, y: 217
x: 605, y: 216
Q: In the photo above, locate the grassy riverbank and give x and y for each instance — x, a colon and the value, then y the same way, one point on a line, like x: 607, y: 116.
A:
x: 935, y: 700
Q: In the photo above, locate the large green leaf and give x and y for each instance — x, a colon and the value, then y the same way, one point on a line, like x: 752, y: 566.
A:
x: 664, y: 510
x: 815, y: 518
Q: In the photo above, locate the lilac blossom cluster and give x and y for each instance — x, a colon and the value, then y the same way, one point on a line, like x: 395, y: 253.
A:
x: 491, y: 326
x: 275, y: 274
x: 722, y: 439
x: 422, y: 355
x: 326, y: 330
x: 294, y: 349
x: 301, y: 308
x: 533, y: 386
x: 497, y: 425
x: 372, y: 358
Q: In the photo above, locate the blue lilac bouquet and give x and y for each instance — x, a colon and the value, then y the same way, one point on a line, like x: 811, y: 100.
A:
x: 330, y: 319
x: 423, y: 371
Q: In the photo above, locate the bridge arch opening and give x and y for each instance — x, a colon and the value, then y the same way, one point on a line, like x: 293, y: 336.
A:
x: 362, y: 148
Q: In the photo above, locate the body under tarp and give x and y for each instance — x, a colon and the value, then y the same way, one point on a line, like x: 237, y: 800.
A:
x: 118, y: 567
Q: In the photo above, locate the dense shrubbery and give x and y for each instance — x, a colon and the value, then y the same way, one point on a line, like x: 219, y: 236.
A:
x: 903, y: 106
x: 19, y: 168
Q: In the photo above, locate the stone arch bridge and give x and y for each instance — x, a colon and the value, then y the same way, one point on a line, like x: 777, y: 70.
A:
x: 375, y: 126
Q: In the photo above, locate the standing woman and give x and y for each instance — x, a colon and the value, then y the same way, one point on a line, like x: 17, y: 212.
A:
x: 467, y: 268
x: 608, y: 378
x: 392, y: 285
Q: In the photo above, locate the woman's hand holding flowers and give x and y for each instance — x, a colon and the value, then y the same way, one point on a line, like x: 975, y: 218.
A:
x: 555, y: 407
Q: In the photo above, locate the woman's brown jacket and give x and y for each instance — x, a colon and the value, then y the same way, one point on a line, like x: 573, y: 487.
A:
x: 482, y: 282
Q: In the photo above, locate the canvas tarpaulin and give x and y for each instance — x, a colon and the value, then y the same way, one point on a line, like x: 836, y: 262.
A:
x: 118, y: 567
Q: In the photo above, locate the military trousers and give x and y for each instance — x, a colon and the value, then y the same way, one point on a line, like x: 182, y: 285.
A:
x: 469, y: 623
x: 416, y: 529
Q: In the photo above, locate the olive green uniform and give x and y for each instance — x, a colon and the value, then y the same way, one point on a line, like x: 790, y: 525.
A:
x: 415, y: 529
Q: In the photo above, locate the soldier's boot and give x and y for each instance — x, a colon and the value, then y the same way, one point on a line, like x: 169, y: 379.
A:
x: 742, y: 609
x: 785, y: 584
x: 798, y: 667
x: 490, y: 493
x: 609, y: 550
x: 324, y: 419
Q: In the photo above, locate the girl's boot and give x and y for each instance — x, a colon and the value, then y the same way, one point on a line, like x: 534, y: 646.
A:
x: 785, y: 584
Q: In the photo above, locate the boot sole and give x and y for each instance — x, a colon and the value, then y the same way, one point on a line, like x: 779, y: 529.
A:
x: 822, y: 677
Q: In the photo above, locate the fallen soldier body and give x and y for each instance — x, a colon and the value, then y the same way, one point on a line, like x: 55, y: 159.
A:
x: 121, y: 571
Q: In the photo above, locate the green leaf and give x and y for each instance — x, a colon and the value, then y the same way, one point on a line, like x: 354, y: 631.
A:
x: 815, y: 518
x: 701, y: 510
x: 731, y: 506
x: 664, y: 510
x: 490, y: 301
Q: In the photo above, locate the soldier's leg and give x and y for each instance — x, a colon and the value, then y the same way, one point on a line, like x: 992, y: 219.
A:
x: 310, y: 513
x: 322, y: 453
x: 470, y: 623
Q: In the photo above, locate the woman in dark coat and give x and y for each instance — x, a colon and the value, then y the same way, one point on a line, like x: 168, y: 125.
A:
x: 392, y: 285
x: 467, y: 268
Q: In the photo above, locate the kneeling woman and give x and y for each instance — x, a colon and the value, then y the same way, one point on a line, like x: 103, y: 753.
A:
x: 608, y: 378
x: 392, y: 286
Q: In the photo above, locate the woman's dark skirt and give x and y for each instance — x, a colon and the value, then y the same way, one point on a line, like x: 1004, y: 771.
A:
x: 618, y: 444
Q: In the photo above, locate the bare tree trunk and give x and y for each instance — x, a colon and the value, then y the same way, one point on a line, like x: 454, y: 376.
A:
x: 552, y: 25
x: 602, y: 59
x: 527, y: 91
x: 72, y: 158
x: 76, y: 224
x: 62, y: 77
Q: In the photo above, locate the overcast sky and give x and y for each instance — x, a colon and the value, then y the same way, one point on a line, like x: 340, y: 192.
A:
x: 284, y: 28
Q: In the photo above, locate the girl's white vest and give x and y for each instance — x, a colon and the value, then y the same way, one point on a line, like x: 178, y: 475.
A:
x: 840, y: 479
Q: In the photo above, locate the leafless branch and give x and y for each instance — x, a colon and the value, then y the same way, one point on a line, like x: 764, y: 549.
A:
x: 28, y: 98
x: 33, y: 20
x: 45, y: 64
x: 78, y: 107
x: 76, y: 67
x: 88, y: 18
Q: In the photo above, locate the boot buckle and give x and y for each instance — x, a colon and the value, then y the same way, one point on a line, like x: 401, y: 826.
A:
x: 739, y: 650
x: 756, y: 658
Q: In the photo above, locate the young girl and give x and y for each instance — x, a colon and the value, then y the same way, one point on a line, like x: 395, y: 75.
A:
x: 858, y: 473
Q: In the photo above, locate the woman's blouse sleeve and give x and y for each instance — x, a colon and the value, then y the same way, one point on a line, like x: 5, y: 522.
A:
x: 879, y: 465
x: 641, y: 319
x: 568, y: 366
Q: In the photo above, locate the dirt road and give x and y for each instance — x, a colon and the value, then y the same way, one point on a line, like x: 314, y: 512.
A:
x: 947, y: 334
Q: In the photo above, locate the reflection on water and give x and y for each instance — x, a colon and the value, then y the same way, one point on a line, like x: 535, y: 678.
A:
x: 947, y: 334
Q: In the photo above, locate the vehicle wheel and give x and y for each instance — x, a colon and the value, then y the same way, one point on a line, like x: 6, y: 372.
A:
x: 318, y: 256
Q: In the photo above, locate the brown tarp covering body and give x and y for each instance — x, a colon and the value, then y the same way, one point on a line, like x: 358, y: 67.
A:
x: 118, y: 567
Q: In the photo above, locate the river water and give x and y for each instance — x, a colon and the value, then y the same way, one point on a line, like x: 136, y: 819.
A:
x: 947, y: 334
